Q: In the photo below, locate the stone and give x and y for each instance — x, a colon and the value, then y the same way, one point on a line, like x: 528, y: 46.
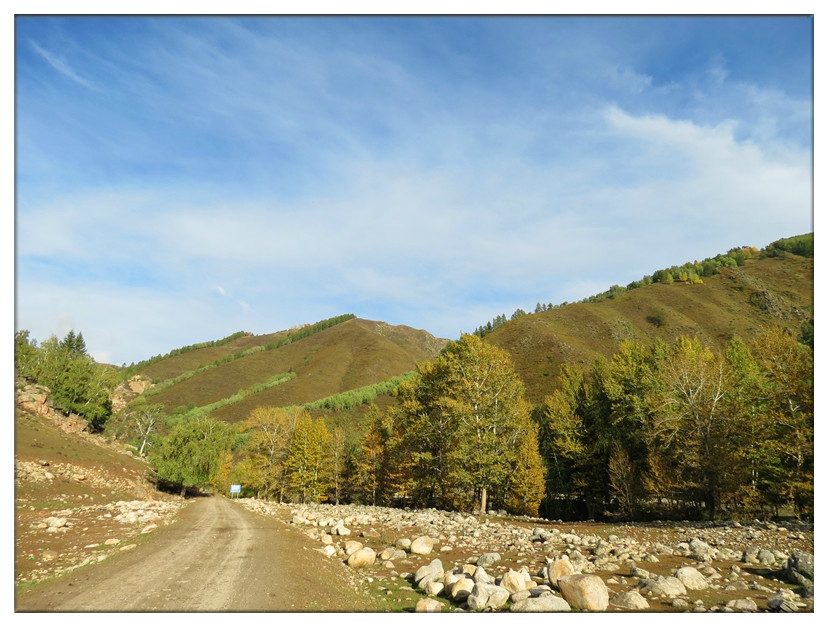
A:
x: 430, y: 572
x: 422, y: 545
x: 800, y: 568
x: 557, y: 569
x: 403, y: 543
x: 487, y: 595
x: 48, y: 555
x: 363, y: 557
x: 149, y: 528
x: 742, y: 605
x: 111, y: 541
x: 680, y: 604
x: 488, y: 560
x: 481, y: 576
x: 352, y: 546
x: 631, y: 600
x: 782, y: 605
x: 691, y: 578
x: 428, y: 605
x: 586, y: 592
x: 640, y: 573
x: 520, y: 596
x: 668, y: 586
x: 433, y: 588
x: 546, y: 603
x: 462, y: 588
x: 329, y: 550
x: 513, y: 581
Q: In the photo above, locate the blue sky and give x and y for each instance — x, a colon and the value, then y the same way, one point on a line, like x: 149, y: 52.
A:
x: 179, y: 179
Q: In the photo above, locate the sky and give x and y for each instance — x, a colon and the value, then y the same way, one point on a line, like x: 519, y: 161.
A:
x: 181, y: 179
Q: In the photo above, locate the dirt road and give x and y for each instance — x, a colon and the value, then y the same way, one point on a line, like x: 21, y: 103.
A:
x: 217, y: 557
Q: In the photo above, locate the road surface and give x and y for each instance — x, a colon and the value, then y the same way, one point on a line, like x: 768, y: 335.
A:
x: 217, y: 557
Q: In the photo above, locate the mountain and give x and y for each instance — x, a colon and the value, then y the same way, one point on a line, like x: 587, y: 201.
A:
x: 344, y: 356
x: 737, y: 301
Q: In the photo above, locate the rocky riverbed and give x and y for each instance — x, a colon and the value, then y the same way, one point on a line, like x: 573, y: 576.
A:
x: 461, y: 562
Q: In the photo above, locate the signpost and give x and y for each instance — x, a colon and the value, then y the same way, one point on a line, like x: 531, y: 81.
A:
x: 235, y: 489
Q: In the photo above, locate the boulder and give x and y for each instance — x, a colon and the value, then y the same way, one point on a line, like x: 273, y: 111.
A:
x: 743, y: 605
x: 430, y: 572
x: 586, y: 592
x: 433, y: 588
x: 546, y: 603
x: 352, y: 546
x: 461, y: 589
x: 481, y: 576
x: 363, y: 557
x: 631, y: 600
x: 488, y: 560
x: 422, y: 545
x: 667, y: 586
x: 691, y: 578
x: 428, y: 605
x: 557, y: 569
x: 800, y: 568
x: 487, y: 595
x: 513, y: 581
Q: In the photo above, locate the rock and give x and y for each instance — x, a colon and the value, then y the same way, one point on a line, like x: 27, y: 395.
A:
x: 481, y: 576
x: 488, y: 560
x: 586, y: 592
x: 782, y: 605
x: 557, y: 569
x: 800, y: 568
x: 742, y: 605
x: 128, y: 547
x: 513, y: 581
x: 433, y: 588
x: 428, y: 605
x: 765, y: 557
x: 487, y: 595
x: 149, y: 528
x: 352, y: 546
x: 680, y: 604
x: 520, y: 596
x: 422, y: 545
x: 48, y: 555
x: 631, y: 600
x: 341, y: 530
x: 363, y: 557
x: 111, y: 541
x: 403, y: 543
x: 668, y: 586
x: 429, y: 572
x: 640, y: 573
x: 546, y: 603
x: 462, y: 588
x: 329, y: 550
x: 691, y: 578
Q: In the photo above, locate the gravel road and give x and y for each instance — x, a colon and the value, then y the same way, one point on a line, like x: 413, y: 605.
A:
x: 217, y: 557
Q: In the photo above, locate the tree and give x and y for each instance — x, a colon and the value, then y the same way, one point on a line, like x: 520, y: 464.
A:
x: 145, y: 421
x: 460, y: 417
x: 306, y: 465
x: 527, y: 483
x: 191, y: 454
x: 271, y: 430
x: 337, y: 456
x: 374, y: 462
x: 695, y: 419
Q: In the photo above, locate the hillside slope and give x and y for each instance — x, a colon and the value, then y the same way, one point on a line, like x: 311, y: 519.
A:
x: 735, y: 302
x: 343, y: 357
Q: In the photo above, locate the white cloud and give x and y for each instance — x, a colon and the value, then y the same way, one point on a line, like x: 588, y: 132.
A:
x: 61, y: 65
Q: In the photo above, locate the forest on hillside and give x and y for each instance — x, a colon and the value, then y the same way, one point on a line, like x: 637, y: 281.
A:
x: 656, y: 430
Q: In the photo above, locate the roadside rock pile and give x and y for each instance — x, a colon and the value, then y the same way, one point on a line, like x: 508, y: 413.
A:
x: 525, y: 567
x: 44, y: 470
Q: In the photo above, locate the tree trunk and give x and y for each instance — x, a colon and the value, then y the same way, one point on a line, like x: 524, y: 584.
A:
x: 483, y: 498
x: 183, y: 491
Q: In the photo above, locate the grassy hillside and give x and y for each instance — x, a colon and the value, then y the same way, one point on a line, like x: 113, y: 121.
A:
x: 735, y: 302
x: 346, y: 356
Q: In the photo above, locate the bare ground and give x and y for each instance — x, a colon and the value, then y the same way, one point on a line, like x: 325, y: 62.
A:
x: 217, y: 557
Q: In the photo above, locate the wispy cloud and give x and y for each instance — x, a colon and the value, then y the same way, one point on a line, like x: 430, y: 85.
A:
x: 256, y: 174
x: 61, y: 65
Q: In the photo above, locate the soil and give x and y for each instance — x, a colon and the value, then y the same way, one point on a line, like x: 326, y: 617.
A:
x: 217, y: 557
